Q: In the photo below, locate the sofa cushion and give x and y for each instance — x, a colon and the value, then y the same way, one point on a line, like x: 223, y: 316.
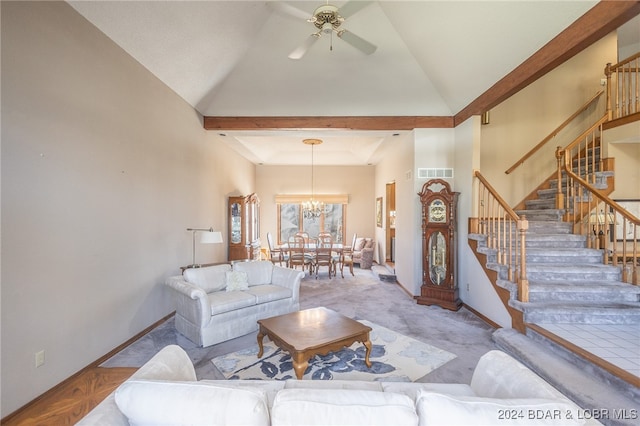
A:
x: 342, y: 407
x: 147, y: 402
x: 440, y: 409
x: 225, y: 301
x: 210, y: 278
x: 236, y: 280
x: 258, y: 272
x: 269, y: 293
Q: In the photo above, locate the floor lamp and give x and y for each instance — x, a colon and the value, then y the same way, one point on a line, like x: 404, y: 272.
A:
x: 209, y: 236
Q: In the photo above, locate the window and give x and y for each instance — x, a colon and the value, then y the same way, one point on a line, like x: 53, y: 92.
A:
x: 332, y: 220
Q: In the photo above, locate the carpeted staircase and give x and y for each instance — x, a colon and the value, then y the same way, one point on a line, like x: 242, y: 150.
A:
x: 568, y: 283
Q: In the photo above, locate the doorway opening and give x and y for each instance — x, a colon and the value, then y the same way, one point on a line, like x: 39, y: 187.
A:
x: 390, y: 230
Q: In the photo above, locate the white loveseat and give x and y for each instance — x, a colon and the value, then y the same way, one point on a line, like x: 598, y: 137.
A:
x: 165, y: 391
x: 218, y: 303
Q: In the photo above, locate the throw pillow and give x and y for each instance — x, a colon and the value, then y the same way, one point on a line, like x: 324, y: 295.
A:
x: 440, y: 409
x: 148, y: 402
x: 360, y: 242
x: 237, y: 280
x: 369, y: 244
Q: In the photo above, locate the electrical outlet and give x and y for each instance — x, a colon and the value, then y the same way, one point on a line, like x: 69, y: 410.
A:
x: 467, y: 286
x: 603, y: 82
x: 39, y: 358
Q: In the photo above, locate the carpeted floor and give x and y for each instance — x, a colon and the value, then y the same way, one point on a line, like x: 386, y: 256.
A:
x: 363, y: 297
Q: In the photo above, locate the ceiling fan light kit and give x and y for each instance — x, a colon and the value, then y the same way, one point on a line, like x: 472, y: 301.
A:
x: 328, y: 20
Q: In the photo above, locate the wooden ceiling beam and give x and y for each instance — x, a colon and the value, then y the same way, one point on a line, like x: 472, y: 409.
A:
x: 328, y: 122
x: 600, y: 20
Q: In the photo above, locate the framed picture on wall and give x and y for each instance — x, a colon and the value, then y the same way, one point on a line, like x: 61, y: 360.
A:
x: 379, y: 212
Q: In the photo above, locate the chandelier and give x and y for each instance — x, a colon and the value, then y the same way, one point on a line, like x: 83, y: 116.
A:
x: 312, y: 209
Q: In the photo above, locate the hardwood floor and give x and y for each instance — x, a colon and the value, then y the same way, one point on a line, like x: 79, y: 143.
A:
x: 71, y: 400
x: 67, y: 403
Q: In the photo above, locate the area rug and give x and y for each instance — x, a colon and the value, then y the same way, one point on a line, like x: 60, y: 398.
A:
x: 394, y: 357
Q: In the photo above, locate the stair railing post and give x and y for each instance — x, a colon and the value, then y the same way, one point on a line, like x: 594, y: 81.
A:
x: 523, y: 282
x: 607, y: 72
x: 559, y: 193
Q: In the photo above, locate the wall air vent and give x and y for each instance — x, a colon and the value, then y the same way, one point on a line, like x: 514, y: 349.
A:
x: 430, y: 173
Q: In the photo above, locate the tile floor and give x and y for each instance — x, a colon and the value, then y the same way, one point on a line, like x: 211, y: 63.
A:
x: 618, y: 344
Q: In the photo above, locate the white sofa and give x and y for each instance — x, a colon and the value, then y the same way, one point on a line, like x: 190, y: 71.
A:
x: 165, y: 391
x: 218, y: 303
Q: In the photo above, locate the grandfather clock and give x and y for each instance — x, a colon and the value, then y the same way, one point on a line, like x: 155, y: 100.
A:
x: 439, y: 246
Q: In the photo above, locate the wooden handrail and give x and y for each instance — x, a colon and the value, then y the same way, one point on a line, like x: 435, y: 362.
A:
x: 623, y: 95
x: 497, y: 196
x: 584, y: 134
x: 623, y: 62
x: 596, y: 192
x: 592, y: 213
x: 497, y: 221
x: 554, y: 132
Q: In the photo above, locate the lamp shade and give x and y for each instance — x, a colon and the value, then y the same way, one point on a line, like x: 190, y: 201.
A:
x: 209, y: 237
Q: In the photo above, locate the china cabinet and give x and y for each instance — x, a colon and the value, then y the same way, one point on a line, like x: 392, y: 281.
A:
x: 244, y: 227
x: 439, y: 225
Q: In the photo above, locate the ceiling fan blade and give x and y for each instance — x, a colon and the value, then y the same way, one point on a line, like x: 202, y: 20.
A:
x: 302, y: 49
x: 357, y: 42
x: 287, y: 9
x: 351, y: 7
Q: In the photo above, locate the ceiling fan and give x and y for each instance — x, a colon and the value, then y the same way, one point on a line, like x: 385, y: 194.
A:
x: 328, y: 19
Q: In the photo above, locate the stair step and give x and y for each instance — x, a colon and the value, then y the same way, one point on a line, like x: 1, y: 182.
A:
x: 544, y: 215
x: 591, y: 368
x: 551, y: 241
x: 575, y: 272
x: 563, y: 255
x: 384, y: 273
x: 581, y: 312
x: 547, y: 193
x: 549, y: 227
x: 575, y: 378
x: 538, y: 227
x: 541, y: 204
x: 551, y: 256
x: 583, y: 291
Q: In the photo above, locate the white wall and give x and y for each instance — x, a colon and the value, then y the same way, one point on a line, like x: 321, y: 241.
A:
x: 355, y: 181
x: 475, y: 288
x: 434, y: 148
x: 103, y: 169
x: 398, y: 167
x: 523, y: 120
x: 459, y: 149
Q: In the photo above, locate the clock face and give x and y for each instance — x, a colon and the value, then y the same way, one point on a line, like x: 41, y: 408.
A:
x: 437, y: 212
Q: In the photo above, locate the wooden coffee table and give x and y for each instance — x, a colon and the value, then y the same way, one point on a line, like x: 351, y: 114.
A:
x: 312, y: 332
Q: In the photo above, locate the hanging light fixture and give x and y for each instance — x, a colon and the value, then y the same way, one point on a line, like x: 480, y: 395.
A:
x: 312, y: 209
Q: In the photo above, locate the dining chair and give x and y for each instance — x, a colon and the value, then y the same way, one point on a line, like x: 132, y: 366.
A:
x: 346, y: 257
x: 297, y: 253
x: 304, y: 235
x: 324, y: 254
x: 276, y: 253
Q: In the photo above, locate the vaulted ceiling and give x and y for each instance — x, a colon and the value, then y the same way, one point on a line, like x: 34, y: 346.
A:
x: 230, y: 58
